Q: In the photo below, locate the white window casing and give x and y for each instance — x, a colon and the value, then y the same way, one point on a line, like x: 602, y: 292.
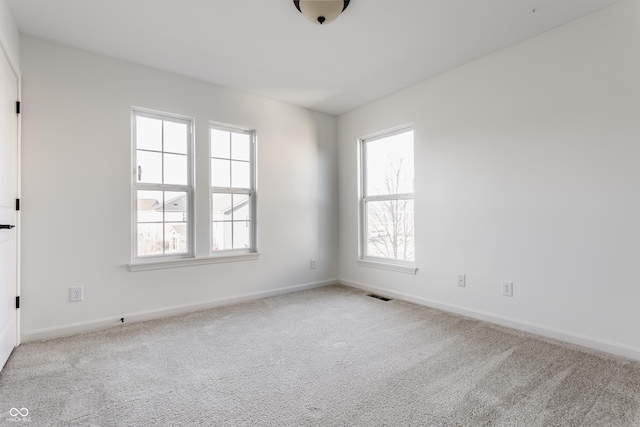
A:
x: 387, y: 193
x: 233, y: 190
x: 163, y: 193
x: 162, y: 186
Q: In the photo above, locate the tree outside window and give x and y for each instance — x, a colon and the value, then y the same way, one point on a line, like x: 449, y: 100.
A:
x: 387, y: 203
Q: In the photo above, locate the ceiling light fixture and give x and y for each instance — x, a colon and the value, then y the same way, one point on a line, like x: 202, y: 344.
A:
x: 321, y: 12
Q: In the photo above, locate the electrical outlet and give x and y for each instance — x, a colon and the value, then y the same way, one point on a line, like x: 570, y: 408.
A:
x: 462, y: 281
x: 312, y: 264
x: 75, y: 294
x: 507, y: 289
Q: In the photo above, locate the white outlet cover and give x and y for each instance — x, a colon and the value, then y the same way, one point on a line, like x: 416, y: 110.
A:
x: 507, y: 289
x: 462, y: 280
x: 75, y: 294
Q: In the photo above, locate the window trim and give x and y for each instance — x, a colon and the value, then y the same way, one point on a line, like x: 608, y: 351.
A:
x: 186, y: 262
x: 383, y: 264
x: 189, y: 188
x: 251, y: 192
x: 364, y: 259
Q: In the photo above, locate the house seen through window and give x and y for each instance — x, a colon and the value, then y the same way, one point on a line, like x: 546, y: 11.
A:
x: 163, y: 185
x: 232, y: 189
x: 163, y: 188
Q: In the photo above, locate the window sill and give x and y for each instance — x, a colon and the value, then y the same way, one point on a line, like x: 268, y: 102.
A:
x: 400, y: 268
x: 186, y: 262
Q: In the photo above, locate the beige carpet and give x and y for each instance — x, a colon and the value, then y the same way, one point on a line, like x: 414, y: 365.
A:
x: 325, y: 357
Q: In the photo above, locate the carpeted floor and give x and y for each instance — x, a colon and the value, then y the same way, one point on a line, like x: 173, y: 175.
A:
x: 326, y: 357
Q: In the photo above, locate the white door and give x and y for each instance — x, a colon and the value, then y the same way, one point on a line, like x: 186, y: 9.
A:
x: 8, y: 191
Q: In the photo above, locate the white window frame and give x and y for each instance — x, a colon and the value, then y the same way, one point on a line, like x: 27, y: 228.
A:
x: 189, y: 188
x: 251, y: 192
x: 364, y: 259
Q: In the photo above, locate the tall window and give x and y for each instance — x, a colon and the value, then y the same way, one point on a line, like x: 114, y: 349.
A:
x: 163, y: 185
x: 387, y: 215
x: 233, y: 203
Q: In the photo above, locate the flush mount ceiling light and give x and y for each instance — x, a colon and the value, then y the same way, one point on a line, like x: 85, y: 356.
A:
x: 321, y: 12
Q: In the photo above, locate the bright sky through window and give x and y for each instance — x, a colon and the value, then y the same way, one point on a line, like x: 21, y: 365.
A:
x: 390, y: 165
x: 163, y: 189
x: 387, y: 223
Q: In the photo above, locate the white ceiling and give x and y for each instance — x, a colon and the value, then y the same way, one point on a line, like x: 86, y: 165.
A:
x: 266, y: 47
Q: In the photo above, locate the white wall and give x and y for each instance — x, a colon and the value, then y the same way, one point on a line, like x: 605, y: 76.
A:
x: 9, y: 37
x: 77, y: 193
x: 527, y: 171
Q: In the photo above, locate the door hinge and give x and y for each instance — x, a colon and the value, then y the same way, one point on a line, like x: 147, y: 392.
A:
x: 17, y: 303
x: 17, y: 107
x: 17, y: 204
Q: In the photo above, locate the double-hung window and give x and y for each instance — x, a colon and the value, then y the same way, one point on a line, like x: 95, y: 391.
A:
x: 387, y: 198
x: 162, y: 185
x: 233, y: 199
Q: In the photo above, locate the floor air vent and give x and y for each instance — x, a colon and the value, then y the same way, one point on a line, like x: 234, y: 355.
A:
x: 379, y: 297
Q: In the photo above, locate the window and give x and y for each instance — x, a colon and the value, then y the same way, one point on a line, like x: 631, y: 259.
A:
x: 162, y: 185
x: 387, y: 202
x: 233, y: 204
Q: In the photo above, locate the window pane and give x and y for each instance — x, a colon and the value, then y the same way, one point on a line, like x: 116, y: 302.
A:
x: 175, y: 137
x: 240, y: 146
x: 163, y: 162
x: 175, y: 169
x: 240, y: 174
x: 220, y: 173
x: 150, y: 239
x: 241, y: 209
x: 231, y: 227
x: 220, y: 144
x: 149, y: 167
x: 241, y: 235
x: 175, y: 240
x: 176, y: 206
x: 149, y: 206
x: 222, y: 236
x: 148, y: 133
x: 389, y: 229
x: 231, y: 167
x: 389, y: 165
x: 221, y: 207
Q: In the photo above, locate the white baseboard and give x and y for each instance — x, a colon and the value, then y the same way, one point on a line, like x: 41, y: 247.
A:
x: 92, y: 325
x: 568, y: 337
